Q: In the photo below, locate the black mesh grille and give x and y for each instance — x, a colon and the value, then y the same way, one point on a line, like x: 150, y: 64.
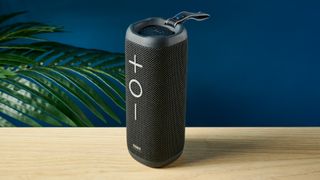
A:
x: 155, y: 30
x: 160, y: 126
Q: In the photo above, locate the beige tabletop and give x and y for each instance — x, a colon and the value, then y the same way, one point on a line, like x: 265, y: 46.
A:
x: 210, y: 153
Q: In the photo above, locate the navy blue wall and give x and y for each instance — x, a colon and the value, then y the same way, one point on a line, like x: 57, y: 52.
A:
x: 255, y: 63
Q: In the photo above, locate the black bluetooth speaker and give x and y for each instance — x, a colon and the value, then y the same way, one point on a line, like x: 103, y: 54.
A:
x: 156, y: 53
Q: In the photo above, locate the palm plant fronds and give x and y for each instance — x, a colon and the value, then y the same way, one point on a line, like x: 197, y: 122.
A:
x: 52, y: 84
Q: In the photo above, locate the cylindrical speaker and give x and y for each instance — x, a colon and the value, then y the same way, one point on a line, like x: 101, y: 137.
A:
x: 156, y: 72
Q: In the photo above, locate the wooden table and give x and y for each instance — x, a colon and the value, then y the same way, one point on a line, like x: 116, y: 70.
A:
x: 210, y: 153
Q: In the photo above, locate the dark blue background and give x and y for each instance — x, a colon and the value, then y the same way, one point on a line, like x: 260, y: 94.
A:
x: 256, y: 63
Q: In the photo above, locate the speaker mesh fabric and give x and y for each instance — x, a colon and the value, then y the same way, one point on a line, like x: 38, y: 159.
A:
x: 154, y: 30
x: 160, y: 126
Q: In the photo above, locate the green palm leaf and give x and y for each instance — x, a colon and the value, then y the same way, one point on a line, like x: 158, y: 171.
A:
x: 57, y: 54
x: 54, y: 84
x: 6, y: 17
x: 46, y: 94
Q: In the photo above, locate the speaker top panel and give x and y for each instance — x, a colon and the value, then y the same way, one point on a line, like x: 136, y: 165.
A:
x: 154, y: 33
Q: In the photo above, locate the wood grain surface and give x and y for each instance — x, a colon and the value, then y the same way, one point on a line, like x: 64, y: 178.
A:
x: 210, y: 153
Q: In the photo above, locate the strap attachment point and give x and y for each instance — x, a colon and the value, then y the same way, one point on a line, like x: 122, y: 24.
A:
x: 184, y: 16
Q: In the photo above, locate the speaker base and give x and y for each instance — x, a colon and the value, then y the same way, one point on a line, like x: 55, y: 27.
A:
x: 155, y: 164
